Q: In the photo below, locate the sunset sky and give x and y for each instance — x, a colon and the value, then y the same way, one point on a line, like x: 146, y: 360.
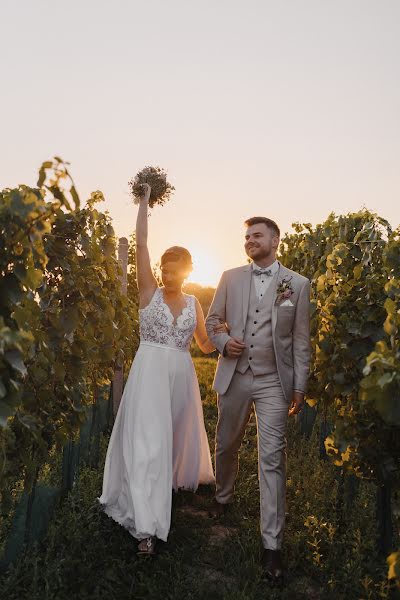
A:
x: 287, y: 108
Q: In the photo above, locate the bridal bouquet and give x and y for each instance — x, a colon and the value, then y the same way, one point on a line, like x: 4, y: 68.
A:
x: 156, y: 177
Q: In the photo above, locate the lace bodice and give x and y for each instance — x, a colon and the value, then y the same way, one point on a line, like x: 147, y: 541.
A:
x: 157, y: 322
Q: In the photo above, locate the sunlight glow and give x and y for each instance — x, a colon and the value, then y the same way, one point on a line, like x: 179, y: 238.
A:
x: 206, y: 270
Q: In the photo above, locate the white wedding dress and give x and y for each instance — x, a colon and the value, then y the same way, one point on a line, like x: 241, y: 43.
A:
x: 158, y: 442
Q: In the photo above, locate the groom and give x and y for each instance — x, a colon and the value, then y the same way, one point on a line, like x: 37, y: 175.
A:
x: 264, y: 362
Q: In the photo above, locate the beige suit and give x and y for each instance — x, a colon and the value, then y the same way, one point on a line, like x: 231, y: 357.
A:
x: 275, y: 362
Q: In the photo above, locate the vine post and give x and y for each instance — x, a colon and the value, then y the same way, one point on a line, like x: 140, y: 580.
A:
x: 118, y: 380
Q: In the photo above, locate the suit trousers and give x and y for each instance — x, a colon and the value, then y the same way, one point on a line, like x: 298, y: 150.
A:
x: 264, y: 392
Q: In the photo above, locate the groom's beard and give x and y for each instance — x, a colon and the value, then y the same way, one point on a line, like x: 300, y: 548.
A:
x: 259, y: 253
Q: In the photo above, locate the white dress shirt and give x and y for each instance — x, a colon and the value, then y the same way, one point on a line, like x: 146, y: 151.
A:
x: 262, y: 282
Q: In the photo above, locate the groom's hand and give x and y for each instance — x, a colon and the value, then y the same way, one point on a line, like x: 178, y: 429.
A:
x: 297, y: 403
x: 234, y: 348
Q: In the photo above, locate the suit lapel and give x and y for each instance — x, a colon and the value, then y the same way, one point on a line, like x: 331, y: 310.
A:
x: 246, y: 286
x: 281, y: 274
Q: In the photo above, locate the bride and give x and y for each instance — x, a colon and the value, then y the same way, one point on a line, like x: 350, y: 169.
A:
x: 158, y: 442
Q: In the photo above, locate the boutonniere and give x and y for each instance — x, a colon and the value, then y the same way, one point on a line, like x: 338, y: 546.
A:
x: 284, y: 289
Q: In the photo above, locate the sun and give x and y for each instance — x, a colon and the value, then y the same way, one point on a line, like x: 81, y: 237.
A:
x: 206, y: 270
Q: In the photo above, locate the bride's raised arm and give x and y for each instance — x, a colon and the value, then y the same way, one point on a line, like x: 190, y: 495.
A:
x: 146, y: 281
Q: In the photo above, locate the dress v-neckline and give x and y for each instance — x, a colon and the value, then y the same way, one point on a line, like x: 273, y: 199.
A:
x: 174, y: 321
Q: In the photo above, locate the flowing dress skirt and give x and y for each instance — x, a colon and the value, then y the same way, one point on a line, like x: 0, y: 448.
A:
x: 158, y: 442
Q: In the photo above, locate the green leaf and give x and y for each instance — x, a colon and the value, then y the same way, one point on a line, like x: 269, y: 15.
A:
x: 321, y: 283
x: 385, y: 379
x: 14, y: 359
x: 390, y: 306
x: 390, y: 325
x: 6, y: 411
x: 357, y: 271
x: 393, y: 561
x: 388, y: 405
x: 75, y: 197
x: 42, y: 175
x: 33, y: 278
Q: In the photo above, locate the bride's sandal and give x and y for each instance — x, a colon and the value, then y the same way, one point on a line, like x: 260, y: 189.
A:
x: 147, y: 547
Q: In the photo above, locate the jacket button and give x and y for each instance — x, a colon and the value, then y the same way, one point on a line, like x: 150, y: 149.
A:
x: 253, y: 334
x: 252, y: 346
x: 250, y: 358
x: 257, y: 310
x: 255, y: 322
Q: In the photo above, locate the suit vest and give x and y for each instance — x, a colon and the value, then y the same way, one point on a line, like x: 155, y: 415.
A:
x: 259, y: 353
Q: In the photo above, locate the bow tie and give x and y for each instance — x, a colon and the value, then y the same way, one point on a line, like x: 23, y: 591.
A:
x: 266, y: 272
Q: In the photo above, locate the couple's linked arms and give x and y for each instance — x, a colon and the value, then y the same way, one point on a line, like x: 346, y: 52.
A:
x: 215, y: 323
x: 200, y: 335
x: 218, y: 329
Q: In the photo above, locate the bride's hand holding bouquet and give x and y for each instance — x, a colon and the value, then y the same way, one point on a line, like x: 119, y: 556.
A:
x: 156, y: 179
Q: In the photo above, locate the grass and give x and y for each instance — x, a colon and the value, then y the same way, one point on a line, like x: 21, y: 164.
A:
x: 329, y: 547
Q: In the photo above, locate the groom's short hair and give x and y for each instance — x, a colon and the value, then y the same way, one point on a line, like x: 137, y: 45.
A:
x: 268, y: 222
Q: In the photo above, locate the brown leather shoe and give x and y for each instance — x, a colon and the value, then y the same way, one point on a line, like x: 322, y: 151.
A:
x: 217, y: 509
x: 272, y: 564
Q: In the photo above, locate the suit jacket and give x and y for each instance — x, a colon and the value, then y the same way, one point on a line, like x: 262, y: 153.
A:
x: 290, y: 326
